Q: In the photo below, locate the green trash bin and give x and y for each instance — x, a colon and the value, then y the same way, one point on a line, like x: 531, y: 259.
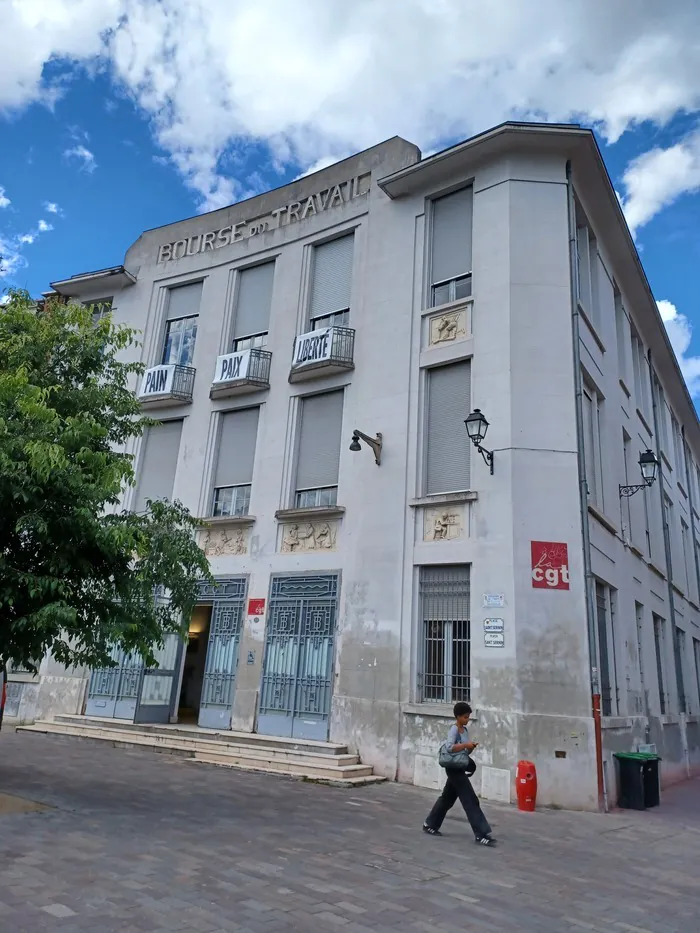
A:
x: 638, y: 787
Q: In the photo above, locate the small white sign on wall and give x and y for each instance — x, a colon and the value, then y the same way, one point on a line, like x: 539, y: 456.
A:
x: 494, y: 640
x: 494, y: 601
x: 494, y: 625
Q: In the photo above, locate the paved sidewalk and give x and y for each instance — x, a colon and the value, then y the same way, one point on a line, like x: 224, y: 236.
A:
x: 141, y: 843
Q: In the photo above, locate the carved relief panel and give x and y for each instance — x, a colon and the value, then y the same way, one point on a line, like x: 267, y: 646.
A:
x: 231, y: 541
x: 444, y: 523
x: 448, y: 327
x: 302, y: 537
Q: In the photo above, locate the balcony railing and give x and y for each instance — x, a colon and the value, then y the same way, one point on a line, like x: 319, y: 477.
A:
x: 241, y: 372
x: 167, y: 383
x: 323, y: 352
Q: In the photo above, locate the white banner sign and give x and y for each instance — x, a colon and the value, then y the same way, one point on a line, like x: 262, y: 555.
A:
x: 312, y: 348
x: 232, y: 366
x: 158, y: 380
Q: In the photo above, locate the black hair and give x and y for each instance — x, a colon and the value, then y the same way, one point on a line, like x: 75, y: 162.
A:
x: 461, y: 709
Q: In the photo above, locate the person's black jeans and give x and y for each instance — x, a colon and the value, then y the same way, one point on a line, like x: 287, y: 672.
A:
x: 459, y: 786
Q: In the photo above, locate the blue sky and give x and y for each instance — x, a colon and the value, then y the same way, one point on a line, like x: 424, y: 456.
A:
x: 120, y: 115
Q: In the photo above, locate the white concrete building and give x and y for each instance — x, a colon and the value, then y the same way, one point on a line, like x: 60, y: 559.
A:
x: 358, y: 599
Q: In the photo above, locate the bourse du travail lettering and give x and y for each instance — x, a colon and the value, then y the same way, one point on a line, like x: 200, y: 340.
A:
x: 293, y: 212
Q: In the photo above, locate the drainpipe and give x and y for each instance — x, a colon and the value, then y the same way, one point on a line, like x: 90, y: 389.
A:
x: 583, y: 497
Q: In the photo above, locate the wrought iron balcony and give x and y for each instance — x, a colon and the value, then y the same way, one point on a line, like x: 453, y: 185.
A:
x: 165, y: 384
x: 241, y: 372
x: 322, y: 353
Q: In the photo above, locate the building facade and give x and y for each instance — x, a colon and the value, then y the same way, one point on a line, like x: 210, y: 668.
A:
x: 311, y: 355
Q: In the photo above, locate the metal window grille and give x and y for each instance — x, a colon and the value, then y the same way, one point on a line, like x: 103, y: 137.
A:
x: 603, y: 606
x: 232, y: 500
x: 324, y: 497
x: 679, y: 651
x: 444, y: 671
x: 659, y: 646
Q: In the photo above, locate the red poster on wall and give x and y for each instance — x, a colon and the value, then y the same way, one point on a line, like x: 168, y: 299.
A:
x: 256, y: 607
x: 550, y: 565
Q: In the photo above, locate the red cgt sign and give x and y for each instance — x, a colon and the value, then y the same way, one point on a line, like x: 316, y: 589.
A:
x: 550, y: 565
x: 256, y: 607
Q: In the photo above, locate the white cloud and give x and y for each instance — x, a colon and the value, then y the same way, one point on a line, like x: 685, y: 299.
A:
x: 659, y: 177
x: 317, y: 77
x: 26, y: 239
x: 4, y: 200
x: 52, y: 208
x: 44, y: 227
x: 11, y: 248
x: 680, y: 332
x: 83, y: 155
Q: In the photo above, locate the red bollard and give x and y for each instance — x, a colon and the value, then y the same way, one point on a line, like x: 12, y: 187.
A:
x: 526, y: 786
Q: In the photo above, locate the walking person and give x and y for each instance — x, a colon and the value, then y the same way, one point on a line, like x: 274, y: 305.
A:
x: 457, y: 784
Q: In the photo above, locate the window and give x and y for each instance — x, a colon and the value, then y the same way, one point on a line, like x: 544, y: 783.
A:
x: 662, y: 417
x: 587, y: 256
x: 677, y: 450
x: 318, y: 456
x: 639, y: 617
x: 451, y: 255
x: 234, y: 462
x: 625, y: 501
x: 659, y: 646
x: 332, y: 283
x: 444, y: 664
x: 641, y: 377
x: 669, y: 519
x: 101, y: 307
x: 620, y: 332
x: 696, y: 653
x: 685, y: 541
x: 678, y: 655
x: 156, y: 474
x: 181, y: 326
x: 447, y: 449
x: 253, y: 300
x: 591, y: 445
x: 606, y: 644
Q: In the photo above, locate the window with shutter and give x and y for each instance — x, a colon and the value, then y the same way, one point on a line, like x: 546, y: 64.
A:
x: 451, y: 253
x: 181, y: 326
x: 331, y: 283
x: 448, y: 448
x: 156, y: 476
x: 233, y: 476
x: 253, y: 301
x: 318, y: 457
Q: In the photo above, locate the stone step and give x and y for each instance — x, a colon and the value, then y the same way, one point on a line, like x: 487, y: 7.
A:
x: 344, y: 770
x: 224, y: 735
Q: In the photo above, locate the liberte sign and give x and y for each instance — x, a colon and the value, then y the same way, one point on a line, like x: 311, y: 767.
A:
x: 294, y: 212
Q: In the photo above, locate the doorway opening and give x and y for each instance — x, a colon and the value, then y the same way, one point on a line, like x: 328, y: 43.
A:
x: 195, y: 665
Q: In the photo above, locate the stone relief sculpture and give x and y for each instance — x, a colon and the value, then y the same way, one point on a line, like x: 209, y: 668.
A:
x: 308, y: 536
x: 447, y: 327
x: 223, y: 542
x: 442, y: 524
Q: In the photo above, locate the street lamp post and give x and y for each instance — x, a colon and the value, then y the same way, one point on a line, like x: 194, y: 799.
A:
x: 649, y: 465
x: 477, y: 426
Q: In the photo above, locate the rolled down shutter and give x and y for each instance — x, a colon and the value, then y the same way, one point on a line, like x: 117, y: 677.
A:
x: 234, y: 465
x: 452, y: 235
x: 254, y: 299
x: 448, y: 454
x: 159, y: 462
x: 319, y: 441
x: 332, y: 276
x: 184, y: 300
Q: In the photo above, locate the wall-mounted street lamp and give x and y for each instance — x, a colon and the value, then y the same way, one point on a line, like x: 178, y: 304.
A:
x: 477, y: 426
x: 375, y: 443
x: 649, y: 466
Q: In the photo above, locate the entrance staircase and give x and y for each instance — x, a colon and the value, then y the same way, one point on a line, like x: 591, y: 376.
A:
x: 321, y: 762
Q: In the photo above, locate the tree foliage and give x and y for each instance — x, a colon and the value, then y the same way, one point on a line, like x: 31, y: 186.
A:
x: 77, y: 575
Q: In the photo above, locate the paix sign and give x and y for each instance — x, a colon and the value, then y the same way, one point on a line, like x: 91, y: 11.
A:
x: 550, y: 565
x: 158, y: 380
x: 232, y: 366
x: 315, y: 347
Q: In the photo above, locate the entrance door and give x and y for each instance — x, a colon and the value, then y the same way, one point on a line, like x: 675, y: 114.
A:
x: 113, y: 691
x: 216, y: 704
x: 158, y: 685
x: 296, y: 688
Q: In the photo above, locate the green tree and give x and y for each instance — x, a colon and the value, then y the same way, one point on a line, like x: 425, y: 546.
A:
x: 76, y: 574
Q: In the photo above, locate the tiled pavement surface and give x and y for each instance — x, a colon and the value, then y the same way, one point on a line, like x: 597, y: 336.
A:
x: 142, y: 843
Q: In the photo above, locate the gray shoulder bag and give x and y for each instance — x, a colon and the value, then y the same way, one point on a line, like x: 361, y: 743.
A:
x: 458, y: 760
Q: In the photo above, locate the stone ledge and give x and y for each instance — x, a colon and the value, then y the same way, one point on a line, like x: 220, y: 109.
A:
x: 228, y: 520
x: 309, y: 515
x: 445, y: 498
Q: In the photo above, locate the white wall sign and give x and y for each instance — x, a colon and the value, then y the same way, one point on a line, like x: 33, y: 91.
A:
x: 295, y: 211
x: 312, y: 348
x: 158, y: 380
x: 494, y: 640
x: 494, y: 601
x: 232, y: 366
x: 493, y: 625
